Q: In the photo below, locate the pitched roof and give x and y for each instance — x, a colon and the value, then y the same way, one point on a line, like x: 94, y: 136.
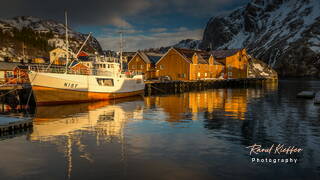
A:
x: 203, y: 59
x: 224, y: 53
x: 187, y: 53
x: 8, y: 66
x: 149, y: 58
x: 203, y: 56
x: 82, y: 53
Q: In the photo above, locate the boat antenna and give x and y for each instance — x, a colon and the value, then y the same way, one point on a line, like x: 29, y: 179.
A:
x: 67, y: 41
x: 121, y: 49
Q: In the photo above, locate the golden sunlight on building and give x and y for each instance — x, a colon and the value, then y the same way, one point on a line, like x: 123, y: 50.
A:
x: 232, y: 101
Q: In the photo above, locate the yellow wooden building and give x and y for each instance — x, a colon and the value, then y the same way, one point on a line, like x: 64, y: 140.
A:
x: 185, y: 64
x: 58, y: 56
x: 144, y: 63
x: 235, y: 61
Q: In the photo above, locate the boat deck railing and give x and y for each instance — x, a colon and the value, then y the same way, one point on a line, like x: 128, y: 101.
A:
x: 79, y: 71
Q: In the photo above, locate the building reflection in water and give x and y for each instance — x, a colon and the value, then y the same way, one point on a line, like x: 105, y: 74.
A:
x: 106, y: 119
x: 233, y: 102
x: 63, y: 125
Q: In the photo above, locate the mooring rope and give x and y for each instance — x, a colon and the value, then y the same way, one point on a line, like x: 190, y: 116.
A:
x: 31, y: 88
x: 8, y: 92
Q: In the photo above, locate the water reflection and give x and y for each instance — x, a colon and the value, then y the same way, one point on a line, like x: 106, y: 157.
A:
x: 233, y: 102
x: 63, y: 125
x: 142, y: 138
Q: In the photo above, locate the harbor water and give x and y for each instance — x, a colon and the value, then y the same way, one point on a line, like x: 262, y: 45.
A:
x: 193, y: 135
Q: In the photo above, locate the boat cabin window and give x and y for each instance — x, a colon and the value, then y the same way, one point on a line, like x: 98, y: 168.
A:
x: 138, y: 81
x: 105, y: 82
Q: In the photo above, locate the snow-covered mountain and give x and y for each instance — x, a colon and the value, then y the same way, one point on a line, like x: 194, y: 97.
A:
x: 188, y: 44
x: 283, y: 33
x: 49, y: 31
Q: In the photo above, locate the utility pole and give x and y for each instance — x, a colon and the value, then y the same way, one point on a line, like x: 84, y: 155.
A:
x: 67, y: 41
x: 23, y: 54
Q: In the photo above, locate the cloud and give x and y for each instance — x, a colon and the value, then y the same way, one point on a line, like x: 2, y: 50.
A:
x: 112, y: 31
x: 142, y: 41
x: 81, y: 12
x: 111, y: 12
x: 158, y: 30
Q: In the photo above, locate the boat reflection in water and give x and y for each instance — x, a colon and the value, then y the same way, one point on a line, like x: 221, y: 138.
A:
x: 100, y: 134
x: 105, y: 119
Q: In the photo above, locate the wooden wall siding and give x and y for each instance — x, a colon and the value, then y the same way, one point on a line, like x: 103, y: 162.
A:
x: 216, y: 70
x: 137, y: 65
x: 174, y: 66
x: 236, y: 65
x: 199, y: 71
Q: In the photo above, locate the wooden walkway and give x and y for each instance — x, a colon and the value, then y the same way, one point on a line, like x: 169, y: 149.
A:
x: 9, y: 87
x: 15, y: 126
x: 156, y: 87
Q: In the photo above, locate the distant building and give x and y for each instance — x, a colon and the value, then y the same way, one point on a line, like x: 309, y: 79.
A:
x: 39, y: 60
x: 11, y: 72
x: 56, y: 42
x: 5, y: 28
x: 127, y: 56
x: 144, y: 63
x: 86, y: 59
x: 80, y: 68
x: 58, y: 56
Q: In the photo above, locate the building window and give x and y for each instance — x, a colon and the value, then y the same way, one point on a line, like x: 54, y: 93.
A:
x: 199, y: 74
x: 133, y: 66
x: 161, y: 66
x: 142, y: 66
x: 183, y: 75
x: 205, y: 74
x: 230, y: 74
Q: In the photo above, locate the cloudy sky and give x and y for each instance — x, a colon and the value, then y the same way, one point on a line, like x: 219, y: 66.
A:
x: 146, y: 23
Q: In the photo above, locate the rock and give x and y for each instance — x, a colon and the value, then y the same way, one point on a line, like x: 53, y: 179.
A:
x: 283, y: 33
x: 317, y: 98
x: 306, y: 94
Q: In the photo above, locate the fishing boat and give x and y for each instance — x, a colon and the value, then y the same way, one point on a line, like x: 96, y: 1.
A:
x: 105, y: 81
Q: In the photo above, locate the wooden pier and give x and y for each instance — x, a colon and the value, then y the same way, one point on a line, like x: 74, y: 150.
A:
x: 9, y: 87
x: 15, y: 126
x: 152, y: 88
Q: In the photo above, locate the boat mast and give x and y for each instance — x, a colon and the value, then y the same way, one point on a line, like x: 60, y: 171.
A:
x: 121, y: 51
x: 67, y: 41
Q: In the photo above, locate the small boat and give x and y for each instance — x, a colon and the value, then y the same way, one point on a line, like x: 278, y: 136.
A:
x: 106, y: 80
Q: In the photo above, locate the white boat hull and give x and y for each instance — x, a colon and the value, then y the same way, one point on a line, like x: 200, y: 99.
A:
x: 55, y: 88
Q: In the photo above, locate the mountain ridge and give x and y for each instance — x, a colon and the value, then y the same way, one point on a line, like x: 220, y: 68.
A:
x: 283, y: 33
x: 38, y: 36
